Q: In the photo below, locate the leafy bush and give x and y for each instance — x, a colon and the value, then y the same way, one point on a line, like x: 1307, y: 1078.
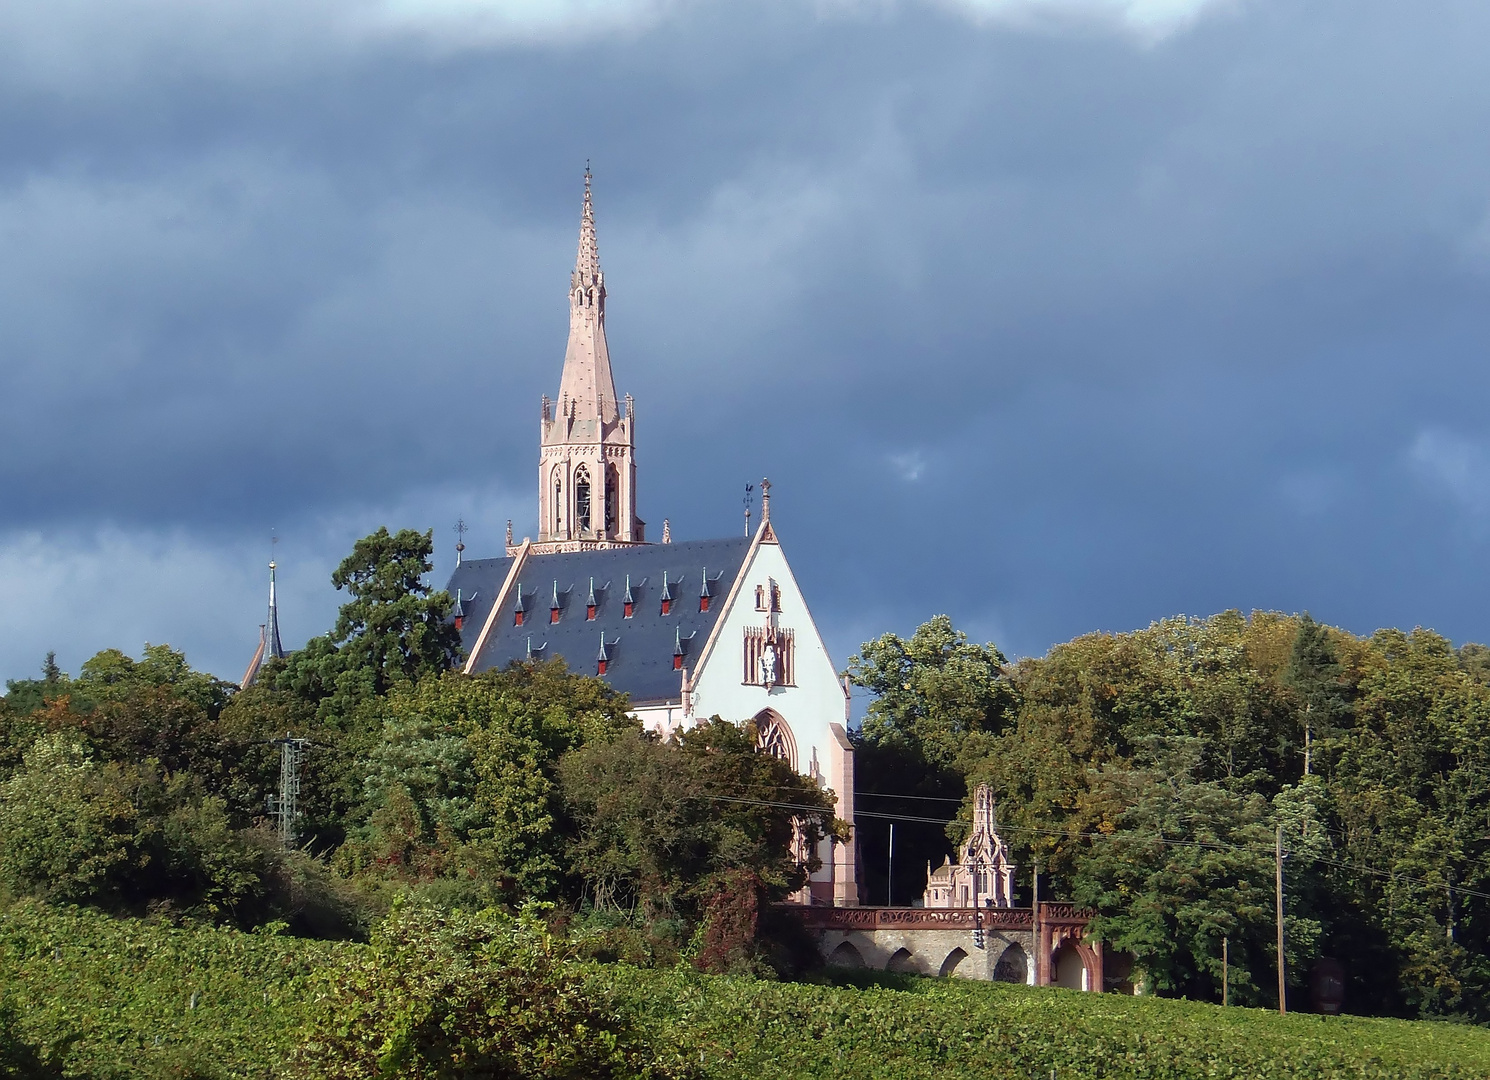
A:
x: 19, y: 1060
x: 453, y: 995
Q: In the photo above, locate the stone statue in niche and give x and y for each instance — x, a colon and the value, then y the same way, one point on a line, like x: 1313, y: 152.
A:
x: 768, y: 665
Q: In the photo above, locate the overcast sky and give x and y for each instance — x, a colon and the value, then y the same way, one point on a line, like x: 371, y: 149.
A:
x: 1053, y: 315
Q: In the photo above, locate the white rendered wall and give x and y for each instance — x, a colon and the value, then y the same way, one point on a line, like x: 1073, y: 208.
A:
x: 809, y: 707
x: 814, y: 708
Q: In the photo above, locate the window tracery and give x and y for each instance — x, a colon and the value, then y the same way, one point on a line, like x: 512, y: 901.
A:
x: 581, y: 498
x: 773, y: 736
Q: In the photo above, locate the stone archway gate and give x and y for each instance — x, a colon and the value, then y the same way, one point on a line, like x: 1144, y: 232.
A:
x: 944, y: 941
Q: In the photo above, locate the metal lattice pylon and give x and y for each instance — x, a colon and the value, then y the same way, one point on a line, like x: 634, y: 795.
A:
x: 285, y: 807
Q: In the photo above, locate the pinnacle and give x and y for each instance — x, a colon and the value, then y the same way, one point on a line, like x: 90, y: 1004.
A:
x: 587, y: 260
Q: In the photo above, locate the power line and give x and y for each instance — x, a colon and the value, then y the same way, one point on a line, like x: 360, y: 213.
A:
x: 1163, y: 840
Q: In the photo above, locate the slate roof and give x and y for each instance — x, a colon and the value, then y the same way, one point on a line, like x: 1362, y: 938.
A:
x: 639, y: 649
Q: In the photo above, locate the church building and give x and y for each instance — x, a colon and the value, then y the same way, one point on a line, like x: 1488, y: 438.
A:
x: 690, y: 630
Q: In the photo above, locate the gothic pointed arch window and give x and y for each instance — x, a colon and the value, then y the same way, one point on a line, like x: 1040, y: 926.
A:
x: 581, y: 499
x: 612, y: 499
x: 774, y: 736
x: 557, y: 513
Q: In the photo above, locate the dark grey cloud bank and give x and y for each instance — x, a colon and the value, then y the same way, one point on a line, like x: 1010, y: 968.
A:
x: 1040, y: 321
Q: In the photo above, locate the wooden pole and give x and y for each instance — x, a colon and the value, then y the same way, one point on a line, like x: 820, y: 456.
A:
x: 1282, y: 980
x: 1225, y: 970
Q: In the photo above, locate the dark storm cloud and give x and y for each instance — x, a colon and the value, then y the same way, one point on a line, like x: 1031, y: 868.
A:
x: 1052, y: 323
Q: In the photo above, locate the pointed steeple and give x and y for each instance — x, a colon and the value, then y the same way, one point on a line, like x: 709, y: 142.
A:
x: 269, y: 643
x: 587, y: 261
x: 587, y: 391
x: 271, y: 628
x: 586, y: 462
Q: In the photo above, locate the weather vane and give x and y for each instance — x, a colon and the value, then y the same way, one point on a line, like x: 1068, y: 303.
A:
x: 460, y: 538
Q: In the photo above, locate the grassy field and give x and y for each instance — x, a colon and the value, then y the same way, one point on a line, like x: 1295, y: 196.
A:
x: 130, y: 999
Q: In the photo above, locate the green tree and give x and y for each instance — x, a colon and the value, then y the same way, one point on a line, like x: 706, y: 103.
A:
x: 1183, y: 864
x: 1315, y: 676
x: 463, y: 781
x: 393, y: 629
x: 659, y: 824
x: 24, y: 696
x: 937, y: 701
x: 394, y: 626
x: 931, y: 691
x: 67, y: 823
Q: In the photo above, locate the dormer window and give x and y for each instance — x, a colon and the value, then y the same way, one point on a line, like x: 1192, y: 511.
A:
x: 628, y: 602
x: 590, y: 603
x: 705, y: 594
x: 554, y: 608
x: 667, y: 594
x: 680, y: 644
x: 517, y: 611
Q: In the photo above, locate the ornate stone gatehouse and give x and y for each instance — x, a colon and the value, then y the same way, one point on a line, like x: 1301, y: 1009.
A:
x: 997, y: 944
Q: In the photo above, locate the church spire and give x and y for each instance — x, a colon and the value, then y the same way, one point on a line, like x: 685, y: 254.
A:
x: 271, y: 628
x: 269, y: 643
x: 587, y: 261
x: 586, y: 464
x: 587, y: 392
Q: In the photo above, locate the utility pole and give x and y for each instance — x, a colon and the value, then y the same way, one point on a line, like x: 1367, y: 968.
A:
x: 285, y: 806
x: 1308, y: 735
x: 1282, y: 980
x: 889, y: 866
x: 1449, y: 895
x: 1225, y: 970
x: 1035, y: 920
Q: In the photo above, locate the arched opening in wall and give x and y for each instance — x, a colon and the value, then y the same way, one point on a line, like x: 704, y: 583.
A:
x: 1013, y: 965
x: 774, y: 737
x: 556, y: 513
x: 903, y: 962
x: 612, y: 499
x: 845, y: 956
x: 949, y: 965
x: 1070, y: 972
x: 581, y: 498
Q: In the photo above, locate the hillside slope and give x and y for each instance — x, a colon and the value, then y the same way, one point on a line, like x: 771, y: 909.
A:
x: 127, y: 999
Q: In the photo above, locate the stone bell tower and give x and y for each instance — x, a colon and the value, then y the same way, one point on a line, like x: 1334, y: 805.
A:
x: 587, y: 463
